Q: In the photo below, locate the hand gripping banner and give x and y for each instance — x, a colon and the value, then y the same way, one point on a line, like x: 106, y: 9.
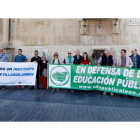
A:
x: 87, y: 77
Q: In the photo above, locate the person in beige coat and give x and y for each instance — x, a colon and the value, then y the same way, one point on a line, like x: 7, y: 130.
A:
x: 124, y: 61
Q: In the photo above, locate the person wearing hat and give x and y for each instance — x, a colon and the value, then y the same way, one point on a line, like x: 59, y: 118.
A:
x: 3, y: 58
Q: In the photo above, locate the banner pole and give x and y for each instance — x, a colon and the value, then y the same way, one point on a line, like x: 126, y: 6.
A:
x: 47, y: 76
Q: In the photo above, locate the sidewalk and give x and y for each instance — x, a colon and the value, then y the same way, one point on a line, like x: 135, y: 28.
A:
x: 45, y: 105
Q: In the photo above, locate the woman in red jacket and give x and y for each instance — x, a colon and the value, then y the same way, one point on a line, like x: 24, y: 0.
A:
x: 85, y: 60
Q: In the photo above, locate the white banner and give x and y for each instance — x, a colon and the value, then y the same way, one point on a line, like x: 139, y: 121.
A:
x: 59, y: 76
x: 17, y: 73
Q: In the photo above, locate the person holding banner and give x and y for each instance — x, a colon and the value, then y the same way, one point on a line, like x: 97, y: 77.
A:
x: 135, y: 58
x: 69, y: 60
x: 107, y: 60
x: 20, y: 58
x: 93, y: 59
x: 3, y: 58
x: 77, y: 57
x: 85, y: 60
x: 43, y: 72
x: 36, y: 59
x: 55, y: 60
x: 124, y: 61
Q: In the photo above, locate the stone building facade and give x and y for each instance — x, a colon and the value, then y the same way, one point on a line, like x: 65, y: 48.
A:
x: 62, y: 35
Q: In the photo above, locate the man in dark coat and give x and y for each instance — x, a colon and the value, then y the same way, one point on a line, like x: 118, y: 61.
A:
x: 77, y: 57
x: 36, y: 59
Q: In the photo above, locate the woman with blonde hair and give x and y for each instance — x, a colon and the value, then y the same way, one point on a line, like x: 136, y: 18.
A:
x: 55, y: 60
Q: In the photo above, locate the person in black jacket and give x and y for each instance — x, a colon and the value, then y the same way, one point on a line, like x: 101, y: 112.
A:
x: 77, y: 58
x: 107, y: 60
x: 43, y: 66
x: 36, y: 59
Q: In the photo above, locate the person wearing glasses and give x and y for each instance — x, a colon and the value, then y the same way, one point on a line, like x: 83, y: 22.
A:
x: 124, y: 61
x: 135, y: 58
x: 55, y: 60
x: 69, y: 60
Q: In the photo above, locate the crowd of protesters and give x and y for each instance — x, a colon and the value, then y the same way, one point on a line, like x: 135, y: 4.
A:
x: 105, y: 58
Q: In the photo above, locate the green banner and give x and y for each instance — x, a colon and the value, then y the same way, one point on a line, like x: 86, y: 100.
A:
x: 88, y: 77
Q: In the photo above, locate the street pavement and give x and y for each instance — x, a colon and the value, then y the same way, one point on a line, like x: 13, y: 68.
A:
x: 46, y: 105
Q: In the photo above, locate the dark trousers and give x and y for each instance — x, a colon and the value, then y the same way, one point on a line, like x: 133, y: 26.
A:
x: 37, y: 79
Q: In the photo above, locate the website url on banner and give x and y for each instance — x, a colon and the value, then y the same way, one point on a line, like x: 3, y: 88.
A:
x: 108, y: 89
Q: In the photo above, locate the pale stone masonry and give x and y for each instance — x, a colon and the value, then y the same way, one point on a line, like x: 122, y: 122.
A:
x: 62, y: 35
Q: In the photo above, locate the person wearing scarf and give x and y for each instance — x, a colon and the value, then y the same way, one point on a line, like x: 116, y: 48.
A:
x: 69, y: 60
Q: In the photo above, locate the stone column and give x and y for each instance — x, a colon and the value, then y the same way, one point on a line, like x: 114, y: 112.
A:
x: 5, y: 31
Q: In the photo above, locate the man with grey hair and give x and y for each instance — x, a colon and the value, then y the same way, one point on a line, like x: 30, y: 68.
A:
x: 77, y: 57
x: 135, y: 58
x: 107, y: 60
x: 3, y: 58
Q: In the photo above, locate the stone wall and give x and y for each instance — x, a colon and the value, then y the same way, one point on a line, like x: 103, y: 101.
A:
x: 0, y: 30
x: 62, y: 35
x: 45, y: 32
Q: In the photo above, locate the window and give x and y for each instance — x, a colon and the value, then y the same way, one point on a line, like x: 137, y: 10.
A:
x: 98, y: 53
